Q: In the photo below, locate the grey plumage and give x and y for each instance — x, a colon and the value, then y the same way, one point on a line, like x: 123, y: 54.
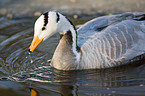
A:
x: 111, y: 40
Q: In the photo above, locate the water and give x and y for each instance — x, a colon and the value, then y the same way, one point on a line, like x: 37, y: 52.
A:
x: 20, y: 70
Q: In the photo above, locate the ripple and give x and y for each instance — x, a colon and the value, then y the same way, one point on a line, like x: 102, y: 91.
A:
x: 17, y: 65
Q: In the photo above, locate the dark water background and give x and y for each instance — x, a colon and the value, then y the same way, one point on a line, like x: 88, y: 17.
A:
x: 20, y: 70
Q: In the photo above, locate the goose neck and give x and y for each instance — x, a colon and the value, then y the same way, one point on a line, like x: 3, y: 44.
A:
x: 72, y: 38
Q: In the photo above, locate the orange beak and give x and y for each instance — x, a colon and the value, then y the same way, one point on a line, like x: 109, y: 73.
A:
x: 36, y: 41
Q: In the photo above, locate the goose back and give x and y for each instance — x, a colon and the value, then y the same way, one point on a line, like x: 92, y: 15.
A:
x: 111, y: 40
x: 98, y: 24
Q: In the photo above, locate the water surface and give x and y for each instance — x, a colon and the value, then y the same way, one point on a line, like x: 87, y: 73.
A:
x: 20, y: 70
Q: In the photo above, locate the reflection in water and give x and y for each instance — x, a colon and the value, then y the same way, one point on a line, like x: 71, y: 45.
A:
x: 34, y: 92
x: 100, y: 82
x: 88, y: 82
x: 16, y: 65
x: 68, y: 90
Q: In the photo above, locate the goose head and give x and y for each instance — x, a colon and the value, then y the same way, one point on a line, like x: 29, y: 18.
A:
x: 48, y: 24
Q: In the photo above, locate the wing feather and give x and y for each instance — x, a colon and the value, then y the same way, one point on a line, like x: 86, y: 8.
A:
x: 116, y: 43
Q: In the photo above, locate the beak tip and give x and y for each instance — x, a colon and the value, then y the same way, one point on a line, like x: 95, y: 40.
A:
x: 35, y: 42
x: 29, y: 50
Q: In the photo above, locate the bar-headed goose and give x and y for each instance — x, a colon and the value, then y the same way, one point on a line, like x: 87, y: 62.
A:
x: 103, y: 42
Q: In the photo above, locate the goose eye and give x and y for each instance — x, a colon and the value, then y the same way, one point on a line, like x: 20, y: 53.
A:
x: 43, y: 28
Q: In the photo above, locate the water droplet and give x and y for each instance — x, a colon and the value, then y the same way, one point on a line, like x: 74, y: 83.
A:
x: 31, y: 61
x: 49, y: 60
x: 29, y: 52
